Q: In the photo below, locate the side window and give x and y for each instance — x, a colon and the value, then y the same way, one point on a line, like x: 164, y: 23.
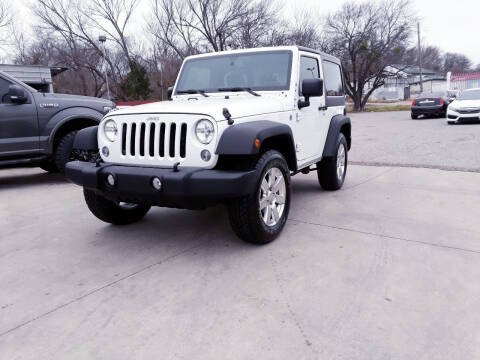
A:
x: 333, y: 79
x: 4, y: 84
x: 308, y: 70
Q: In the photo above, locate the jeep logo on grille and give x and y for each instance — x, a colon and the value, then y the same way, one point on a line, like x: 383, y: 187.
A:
x: 153, y: 118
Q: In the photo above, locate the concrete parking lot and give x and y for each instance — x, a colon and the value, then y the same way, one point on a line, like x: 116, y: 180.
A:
x: 386, y: 268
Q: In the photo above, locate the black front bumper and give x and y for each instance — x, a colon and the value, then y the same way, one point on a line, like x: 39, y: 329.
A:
x: 188, y: 188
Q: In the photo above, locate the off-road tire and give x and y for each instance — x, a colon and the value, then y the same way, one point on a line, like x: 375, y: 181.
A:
x: 63, y: 151
x: 49, y: 166
x: 414, y: 117
x: 111, y: 212
x: 244, y: 212
x: 327, y: 168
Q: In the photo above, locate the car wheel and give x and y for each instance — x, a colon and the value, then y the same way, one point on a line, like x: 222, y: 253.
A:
x: 331, y: 171
x: 112, y: 212
x: 63, y: 152
x: 260, y: 217
x: 414, y: 116
x: 451, y: 122
x: 49, y: 166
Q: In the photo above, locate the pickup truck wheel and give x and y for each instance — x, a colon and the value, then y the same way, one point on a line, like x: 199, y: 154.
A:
x: 63, y: 152
x: 331, y: 171
x: 49, y: 166
x: 114, y: 212
x: 260, y: 217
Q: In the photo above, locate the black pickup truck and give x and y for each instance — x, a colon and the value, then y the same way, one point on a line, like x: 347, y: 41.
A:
x: 38, y: 129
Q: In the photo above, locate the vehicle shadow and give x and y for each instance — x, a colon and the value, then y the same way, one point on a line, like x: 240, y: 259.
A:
x: 23, y: 177
x: 166, y: 229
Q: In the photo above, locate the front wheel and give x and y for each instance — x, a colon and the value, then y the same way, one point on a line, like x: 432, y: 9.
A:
x: 260, y: 217
x: 112, y: 212
x: 63, y: 152
x: 331, y: 171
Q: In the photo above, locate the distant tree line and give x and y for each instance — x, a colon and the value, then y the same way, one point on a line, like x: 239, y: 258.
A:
x: 367, y: 36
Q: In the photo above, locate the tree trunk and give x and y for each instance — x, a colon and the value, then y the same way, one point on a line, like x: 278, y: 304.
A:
x: 357, y: 103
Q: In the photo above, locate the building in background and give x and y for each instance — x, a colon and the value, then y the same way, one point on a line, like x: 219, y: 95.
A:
x: 37, y: 76
x: 465, y: 81
x: 403, y: 82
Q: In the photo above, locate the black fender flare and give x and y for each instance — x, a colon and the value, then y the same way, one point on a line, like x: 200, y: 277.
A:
x: 337, y: 123
x: 67, y: 117
x: 86, y: 139
x: 239, y: 139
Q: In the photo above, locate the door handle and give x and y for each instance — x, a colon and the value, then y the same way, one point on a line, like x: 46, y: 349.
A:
x: 323, y: 108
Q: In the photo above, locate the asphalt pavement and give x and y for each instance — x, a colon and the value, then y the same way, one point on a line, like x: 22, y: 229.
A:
x: 386, y: 268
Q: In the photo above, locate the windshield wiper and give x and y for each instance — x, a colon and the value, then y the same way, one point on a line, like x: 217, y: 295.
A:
x: 193, y: 91
x: 236, y: 89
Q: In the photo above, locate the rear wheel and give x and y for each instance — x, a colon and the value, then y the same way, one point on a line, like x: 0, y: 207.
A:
x: 451, y: 122
x: 112, y: 212
x: 260, y: 217
x: 331, y: 171
x: 414, y: 116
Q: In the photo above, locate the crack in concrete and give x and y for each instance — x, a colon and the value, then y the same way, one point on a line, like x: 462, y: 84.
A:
x: 415, y: 166
x: 388, y: 236
x: 94, y: 291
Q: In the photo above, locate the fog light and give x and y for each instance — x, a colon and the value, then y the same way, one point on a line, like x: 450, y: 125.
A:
x: 205, y: 155
x: 105, y: 151
x: 111, y: 180
x: 156, y: 183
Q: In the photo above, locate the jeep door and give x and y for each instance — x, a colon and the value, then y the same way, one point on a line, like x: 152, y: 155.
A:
x: 312, y: 123
x: 18, y: 124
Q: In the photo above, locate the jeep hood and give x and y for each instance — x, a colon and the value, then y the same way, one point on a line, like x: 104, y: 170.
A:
x: 241, y: 106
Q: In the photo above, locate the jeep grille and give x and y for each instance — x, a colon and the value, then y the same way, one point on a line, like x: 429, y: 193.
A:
x: 154, y: 139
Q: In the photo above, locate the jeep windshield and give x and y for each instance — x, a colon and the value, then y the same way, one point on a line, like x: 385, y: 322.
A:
x: 255, y: 71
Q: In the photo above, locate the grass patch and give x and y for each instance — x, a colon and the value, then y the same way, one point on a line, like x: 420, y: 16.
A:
x: 382, y: 108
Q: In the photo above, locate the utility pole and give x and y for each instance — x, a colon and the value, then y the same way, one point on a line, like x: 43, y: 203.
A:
x: 420, y: 58
x: 103, y: 39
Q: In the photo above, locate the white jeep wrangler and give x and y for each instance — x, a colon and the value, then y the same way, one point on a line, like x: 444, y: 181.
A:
x: 238, y: 126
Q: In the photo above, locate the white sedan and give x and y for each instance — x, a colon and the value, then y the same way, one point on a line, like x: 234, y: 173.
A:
x: 465, y: 108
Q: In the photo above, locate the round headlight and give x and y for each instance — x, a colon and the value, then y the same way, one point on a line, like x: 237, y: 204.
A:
x: 110, y: 130
x: 205, y: 131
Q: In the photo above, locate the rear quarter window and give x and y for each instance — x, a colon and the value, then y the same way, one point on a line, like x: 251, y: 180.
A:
x: 333, y: 79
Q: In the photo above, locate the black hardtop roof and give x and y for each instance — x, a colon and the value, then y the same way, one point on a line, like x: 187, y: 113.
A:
x: 322, y: 54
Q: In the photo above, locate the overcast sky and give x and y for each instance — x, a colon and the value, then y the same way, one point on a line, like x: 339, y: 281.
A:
x: 452, y: 25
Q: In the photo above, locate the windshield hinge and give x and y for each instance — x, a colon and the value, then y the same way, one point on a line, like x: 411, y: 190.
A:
x: 228, y: 116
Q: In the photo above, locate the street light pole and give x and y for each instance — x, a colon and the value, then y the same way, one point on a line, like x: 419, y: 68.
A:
x: 102, y: 40
x: 420, y: 58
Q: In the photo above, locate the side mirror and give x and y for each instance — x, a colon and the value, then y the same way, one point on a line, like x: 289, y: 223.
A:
x: 310, y: 88
x: 17, y: 94
x: 169, y: 92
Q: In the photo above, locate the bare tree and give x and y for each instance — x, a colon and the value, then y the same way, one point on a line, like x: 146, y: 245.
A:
x: 77, y: 22
x: 456, y: 63
x: 191, y: 26
x: 368, y: 37
x: 5, y: 18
